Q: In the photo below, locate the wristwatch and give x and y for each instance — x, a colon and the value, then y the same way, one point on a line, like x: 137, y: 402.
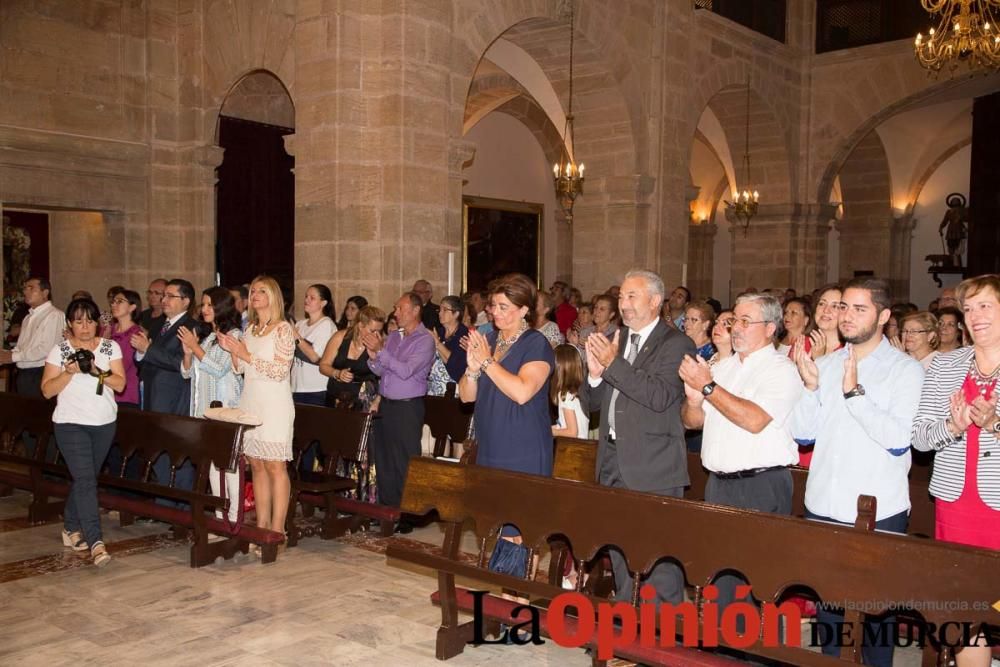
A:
x: 707, y: 390
x: 857, y: 391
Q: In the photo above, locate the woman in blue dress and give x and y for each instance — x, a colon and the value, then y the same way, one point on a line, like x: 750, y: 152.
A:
x: 508, y: 378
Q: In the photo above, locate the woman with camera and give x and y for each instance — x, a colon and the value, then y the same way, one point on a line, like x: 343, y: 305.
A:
x: 83, y: 372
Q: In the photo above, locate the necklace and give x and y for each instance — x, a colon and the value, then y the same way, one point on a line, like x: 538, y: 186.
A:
x: 259, y: 329
x: 981, y: 379
x: 503, y: 344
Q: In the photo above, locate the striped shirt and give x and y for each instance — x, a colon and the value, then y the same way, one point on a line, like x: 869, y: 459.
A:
x: 944, y: 378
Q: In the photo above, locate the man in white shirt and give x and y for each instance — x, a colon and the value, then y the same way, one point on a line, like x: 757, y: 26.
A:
x: 859, y: 405
x: 743, y: 404
x: 41, y: 330
x: 633, y: 381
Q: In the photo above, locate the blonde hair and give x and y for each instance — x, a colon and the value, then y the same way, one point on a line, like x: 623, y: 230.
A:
x: 273, y: 290
x: 366, y: 315
x: 926, y: 321
x: 973, y: 286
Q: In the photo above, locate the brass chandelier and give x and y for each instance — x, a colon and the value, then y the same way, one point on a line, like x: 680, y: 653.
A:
x: 967, y: 32
x: 745, y: 201
x: 567, y: 175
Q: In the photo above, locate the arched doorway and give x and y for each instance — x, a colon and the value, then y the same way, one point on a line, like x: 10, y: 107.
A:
x: 255, y: 194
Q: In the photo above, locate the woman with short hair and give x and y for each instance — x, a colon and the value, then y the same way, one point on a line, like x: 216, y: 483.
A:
x: 449, y: 359
x: 544, y: 322
x: 951, y: 329
x: 699, y: 318
x: 957, y: 419
x: 920, y: 337
x: 797, y: 322
x: 83, y: 372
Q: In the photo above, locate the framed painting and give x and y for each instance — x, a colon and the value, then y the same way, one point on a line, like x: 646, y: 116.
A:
x: 500, y: 237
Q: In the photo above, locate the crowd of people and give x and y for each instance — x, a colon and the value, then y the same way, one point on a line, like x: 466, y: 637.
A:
x: 841, y: 380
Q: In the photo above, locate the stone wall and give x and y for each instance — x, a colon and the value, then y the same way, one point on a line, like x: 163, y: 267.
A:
x: 112, y: 106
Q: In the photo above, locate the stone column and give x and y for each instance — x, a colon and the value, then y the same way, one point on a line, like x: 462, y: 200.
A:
x: 784, y: 246
x: 701, y: 258
x: 900, y: 243
x: 611, y: 231
x: 460, y: 153
x: 197, y: 214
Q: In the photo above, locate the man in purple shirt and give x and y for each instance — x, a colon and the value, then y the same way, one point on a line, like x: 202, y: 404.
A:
x: 403, y: 361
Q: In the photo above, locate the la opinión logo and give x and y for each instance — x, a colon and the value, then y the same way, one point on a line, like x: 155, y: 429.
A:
x: 573, y: 621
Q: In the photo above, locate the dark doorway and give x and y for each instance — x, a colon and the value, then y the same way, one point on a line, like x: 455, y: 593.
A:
x: 500, y: 237
x: 255, y: 204
x: 984, y: 188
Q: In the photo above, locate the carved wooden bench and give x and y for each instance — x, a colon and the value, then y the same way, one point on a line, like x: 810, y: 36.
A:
x: 840, y: 563
x: 145, y: 435
x: 342, y: 437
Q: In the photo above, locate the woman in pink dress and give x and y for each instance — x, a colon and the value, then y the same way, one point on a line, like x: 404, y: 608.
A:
x: 957, y: 418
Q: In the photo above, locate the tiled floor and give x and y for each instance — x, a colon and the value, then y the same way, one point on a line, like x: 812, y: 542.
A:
x: 323, y: 603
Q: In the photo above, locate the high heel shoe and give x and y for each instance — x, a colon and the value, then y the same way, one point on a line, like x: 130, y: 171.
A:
x: 75, y: 541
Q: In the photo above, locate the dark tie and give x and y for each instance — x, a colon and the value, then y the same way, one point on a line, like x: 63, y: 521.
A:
x: 633, y: 352
x: 165, y: 328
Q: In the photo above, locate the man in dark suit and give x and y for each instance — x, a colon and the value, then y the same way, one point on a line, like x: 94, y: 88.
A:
x: 429, y: 312
x: 634, y: 380
x: 164, y: 389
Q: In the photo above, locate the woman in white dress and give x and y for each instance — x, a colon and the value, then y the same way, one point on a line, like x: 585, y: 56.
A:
x: 264, y: 357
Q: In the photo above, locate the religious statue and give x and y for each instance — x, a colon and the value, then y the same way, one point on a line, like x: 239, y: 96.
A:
x: 954, y: 227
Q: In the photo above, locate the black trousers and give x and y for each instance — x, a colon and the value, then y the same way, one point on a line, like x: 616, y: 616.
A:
x: 769, y: 491
x: 395, y: 439
x: 666, y: 578
x: 29, y: 381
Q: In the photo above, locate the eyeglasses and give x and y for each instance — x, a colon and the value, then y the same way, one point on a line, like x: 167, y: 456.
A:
x: 119, y: 300
x: 168, y: 295
x: 949, y: 325
x: 914, y: 332
x: 744, y: 323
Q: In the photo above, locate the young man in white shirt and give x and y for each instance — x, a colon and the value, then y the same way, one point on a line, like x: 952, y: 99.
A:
x: 859, y: 405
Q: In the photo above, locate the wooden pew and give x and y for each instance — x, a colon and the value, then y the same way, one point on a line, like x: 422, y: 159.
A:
x: 449, y: 421
x: 144, y: 435
x: 342, y: 437
x: 579, y: 458
x: 840, y: 563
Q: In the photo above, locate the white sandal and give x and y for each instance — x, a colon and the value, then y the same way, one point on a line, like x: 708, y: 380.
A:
x: 100, y: 554
x: 74, y: 541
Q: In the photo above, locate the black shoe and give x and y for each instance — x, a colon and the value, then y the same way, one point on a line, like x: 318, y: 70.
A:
x: 404, y: 528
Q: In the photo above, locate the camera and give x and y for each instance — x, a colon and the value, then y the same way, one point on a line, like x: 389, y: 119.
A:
x: 84, y: 360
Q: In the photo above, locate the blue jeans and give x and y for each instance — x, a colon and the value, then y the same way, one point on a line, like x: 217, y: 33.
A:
x: 183, y: 479
x: 84, y: 449
x: 877, y: 656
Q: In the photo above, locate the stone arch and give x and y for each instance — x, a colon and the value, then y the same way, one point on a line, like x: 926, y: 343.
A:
x: 603, y: 61
x: 921, y: 181
x: 261, y: 96
x: 245, y: 38
x: 833, y: 153
x: 872, y: 237
x: 771, y: 169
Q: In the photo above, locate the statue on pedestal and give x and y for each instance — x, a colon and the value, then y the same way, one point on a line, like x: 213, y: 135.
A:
x: 954, y: 228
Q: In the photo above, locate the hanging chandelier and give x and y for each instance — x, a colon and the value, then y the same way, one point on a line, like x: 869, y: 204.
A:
x: 745, y: 200
x: 567, y: 175
x: 966, y: 32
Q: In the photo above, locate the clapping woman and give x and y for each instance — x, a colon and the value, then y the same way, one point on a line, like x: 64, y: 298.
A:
x: 449, y: 360
x: 957, y: 418
x: 209, y: 367
x: 264, y: 357
x: 83, y: 372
